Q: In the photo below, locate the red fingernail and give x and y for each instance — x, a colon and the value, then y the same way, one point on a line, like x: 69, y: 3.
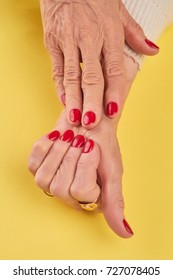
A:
x: 151, y: 44
x: 111, y: 108
x: 54, y: 135
x: 63, y: 99
x: 78, y: 142
x: 89, y: 118
x: 127, y: 227
x: 89, y: 145
x: 67, y: 136
x: 75, y: 115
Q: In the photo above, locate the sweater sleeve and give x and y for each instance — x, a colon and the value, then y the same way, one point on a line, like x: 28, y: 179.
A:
x: 153, y: 16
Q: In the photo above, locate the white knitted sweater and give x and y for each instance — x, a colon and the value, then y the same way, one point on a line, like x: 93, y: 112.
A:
x: 153, y: 16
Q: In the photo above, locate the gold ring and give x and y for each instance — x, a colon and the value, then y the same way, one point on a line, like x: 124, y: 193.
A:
x: 49, y: 194
x: 90, y: 206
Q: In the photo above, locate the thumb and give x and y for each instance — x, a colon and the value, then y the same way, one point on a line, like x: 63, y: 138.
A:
x: 113, y: 209
x: 111, y: 193
x: 134, y: 35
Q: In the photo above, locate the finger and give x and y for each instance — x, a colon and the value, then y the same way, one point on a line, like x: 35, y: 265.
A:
x: 112, y: 198
x: 60, y: 185
x: 92, y: 82
x: 40, y: 150
x: 135, y: 36
x: 72, y: 76
x: 84, y: 187
x: 57, y: 61
x: 113, y: 68
x: 47, y: 170
x: 113, y: 209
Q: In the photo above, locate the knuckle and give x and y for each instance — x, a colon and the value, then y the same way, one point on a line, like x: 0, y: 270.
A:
x: 137, y: 27
x: 55, y: 190
x: 39, y: 148
x: 41, y: 180
x: 72, y: 73
x: 57, y: 72
x: 83, y: 164
x: 91, y: 77
x: 67, y: 29
x: 68, y: 159
x: 134, y: 30
x: 92, y: 74
x: 57, y: 187
x: 54, y: 187
x: 32, y: 166
x: 119, y: 202
x: 74, y: 191
x: 87, y: 41
x: 113, y: 68
x: 85, y: 29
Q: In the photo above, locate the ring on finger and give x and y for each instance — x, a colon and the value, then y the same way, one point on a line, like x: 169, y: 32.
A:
x: 49, y: 194
x: 90, y: 206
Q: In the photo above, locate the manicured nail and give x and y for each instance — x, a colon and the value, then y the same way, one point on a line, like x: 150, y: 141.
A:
x: 89, y: 145
x: 127, y: 227
x: 75, y: 115
x: 79, y: 141
x: 112, y: 108
x: 89, y: 118
x: 67, y: 136
x: 63, y: 99
x: 54, y: 135
x: 151, y: 44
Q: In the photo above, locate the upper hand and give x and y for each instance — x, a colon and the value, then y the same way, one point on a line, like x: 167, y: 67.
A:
x: 92, y: 32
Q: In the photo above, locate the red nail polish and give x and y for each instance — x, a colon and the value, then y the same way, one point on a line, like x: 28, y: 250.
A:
x: 151, y: 44
x: 89, y: 145
x: 79, y: 141
x: 67, y: 136
x: 54, y: 135
x: 127, y: 227
x: 111, y: 108
x: 63, y: 99
x: 89, y: 118
x: 75, y: 115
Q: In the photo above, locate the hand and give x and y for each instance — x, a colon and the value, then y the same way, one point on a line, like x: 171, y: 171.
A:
x: 74, y: 171
x: 92, y: 32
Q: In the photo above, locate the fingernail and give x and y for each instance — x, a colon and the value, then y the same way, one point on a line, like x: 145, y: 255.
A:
x: 127, y: 227
x: 89, y: 145
x: 75, y: 115
x: 111, y: 108
x: 89, y: 118
x: 54, y: 135
x: 78, y: 142
x: 67, y: 136
x: 63, y: 99
x: 151, y: 44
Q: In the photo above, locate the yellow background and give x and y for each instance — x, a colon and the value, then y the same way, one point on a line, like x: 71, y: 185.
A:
x: 34, y: 226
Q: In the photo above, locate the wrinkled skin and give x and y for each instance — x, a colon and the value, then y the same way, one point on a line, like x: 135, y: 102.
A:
x: 92, y: 32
